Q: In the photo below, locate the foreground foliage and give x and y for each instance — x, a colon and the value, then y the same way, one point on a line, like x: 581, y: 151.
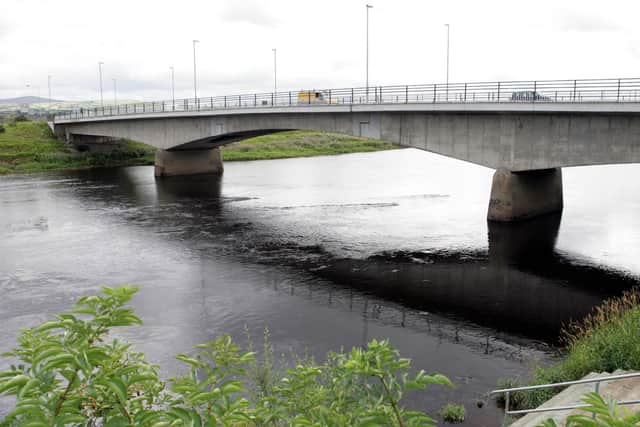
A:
x: 606, y: 340
x: 70, y: 371
x: 600, y: 413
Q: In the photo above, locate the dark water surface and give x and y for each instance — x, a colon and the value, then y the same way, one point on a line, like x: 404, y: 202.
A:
x: 325, y: 252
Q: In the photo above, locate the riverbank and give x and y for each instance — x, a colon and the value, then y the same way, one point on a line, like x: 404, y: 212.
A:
x: 31, y: 147
x: 300, y: 144
x: 605, y: 341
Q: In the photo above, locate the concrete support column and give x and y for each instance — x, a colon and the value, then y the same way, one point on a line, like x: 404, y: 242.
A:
x: 521, y: 195
x: 188, y: 162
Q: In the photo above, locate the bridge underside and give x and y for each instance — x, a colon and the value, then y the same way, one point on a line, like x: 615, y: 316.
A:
x: 526, y: 149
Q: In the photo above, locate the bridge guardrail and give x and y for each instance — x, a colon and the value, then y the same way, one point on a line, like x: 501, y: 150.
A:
x: 542, y: 91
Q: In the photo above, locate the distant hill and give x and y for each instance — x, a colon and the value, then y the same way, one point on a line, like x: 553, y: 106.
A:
x: 27, y: 100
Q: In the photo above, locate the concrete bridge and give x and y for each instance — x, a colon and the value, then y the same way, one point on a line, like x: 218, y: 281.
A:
x: 527, y: 131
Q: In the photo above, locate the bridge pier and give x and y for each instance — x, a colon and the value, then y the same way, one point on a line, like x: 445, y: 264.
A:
x: 188, y: 162
x: 517, y: 196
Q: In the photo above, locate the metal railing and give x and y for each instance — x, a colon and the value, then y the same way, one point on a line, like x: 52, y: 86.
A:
x: 597, y: 381
x: 545, y: 91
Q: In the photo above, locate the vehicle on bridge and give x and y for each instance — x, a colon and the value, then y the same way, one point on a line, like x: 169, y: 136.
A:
x: 528, y: 96
x: 314, y: 97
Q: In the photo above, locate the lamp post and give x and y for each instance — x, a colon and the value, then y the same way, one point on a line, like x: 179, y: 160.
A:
x: 173, y: 87
x: 49, y: 88
x: 115, y: 96
x: 275, y: 81
x: 447, y: 25
x: 195, y: 85
x: 100, y: 64
x: 367, y: 78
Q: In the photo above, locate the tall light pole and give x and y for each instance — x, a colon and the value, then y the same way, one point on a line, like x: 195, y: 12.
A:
x: 115, y: 96
x: 367, y: 80
x: 49, y: 88
x: 275, y: 80
x: 100, y: 64
x: 195, y: 85
x: 447, y: 25
x: 173, y: 87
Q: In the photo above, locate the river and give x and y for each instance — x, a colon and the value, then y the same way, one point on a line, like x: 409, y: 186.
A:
x: 325, y: 252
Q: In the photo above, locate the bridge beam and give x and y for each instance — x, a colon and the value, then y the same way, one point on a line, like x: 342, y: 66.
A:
x: 188, y: 162
x: 517, y: 196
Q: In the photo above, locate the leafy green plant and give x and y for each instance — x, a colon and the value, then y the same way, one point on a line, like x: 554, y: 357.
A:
x: 453, y: 413
x: 70, y: 371
x: 2, y: 128
x: 601, y: 414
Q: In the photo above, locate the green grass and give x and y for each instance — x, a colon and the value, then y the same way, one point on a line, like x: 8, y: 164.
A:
x: 606, y: 340
x: 300, y: 144
x: 27, y: 146
x: 452, y: 413
x: 31, y: 147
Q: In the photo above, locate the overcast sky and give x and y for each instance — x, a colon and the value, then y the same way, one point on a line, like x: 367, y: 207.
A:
x: 320, y: 44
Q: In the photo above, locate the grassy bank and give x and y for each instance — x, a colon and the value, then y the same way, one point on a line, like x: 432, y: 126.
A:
x: 300, y: 144
x: 606, y: 340
x: 31, y: 147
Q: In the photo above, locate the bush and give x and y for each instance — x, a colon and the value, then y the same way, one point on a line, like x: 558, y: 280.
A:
x: 71, y: 372
x: 452, y: 413
x: 20, y: 118
x: 1, y: 128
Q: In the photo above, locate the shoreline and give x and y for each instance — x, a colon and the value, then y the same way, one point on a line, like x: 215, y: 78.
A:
x: 30, y: 147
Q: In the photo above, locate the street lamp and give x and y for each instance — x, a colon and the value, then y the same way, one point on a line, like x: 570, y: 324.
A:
x: 367, y: 80
x: 275, y: 81
x: 195, y: 86
x: 100, y: 64
x: 115, y: 97
x: 173, y: 87
x: 447, y: 25
x: 49, y: 88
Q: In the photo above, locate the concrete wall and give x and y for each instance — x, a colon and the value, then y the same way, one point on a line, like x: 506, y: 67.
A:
x: 515, y: 141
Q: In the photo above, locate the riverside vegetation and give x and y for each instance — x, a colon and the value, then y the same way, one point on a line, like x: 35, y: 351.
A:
x: 606, y: 340
x: 73, y: 371
x: 27, y: 146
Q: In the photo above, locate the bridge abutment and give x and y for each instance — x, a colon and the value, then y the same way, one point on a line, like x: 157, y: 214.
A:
x: 517, y: 196
x: 188, y: 162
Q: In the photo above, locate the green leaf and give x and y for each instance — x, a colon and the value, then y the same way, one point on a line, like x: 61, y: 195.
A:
x: 117, y: 386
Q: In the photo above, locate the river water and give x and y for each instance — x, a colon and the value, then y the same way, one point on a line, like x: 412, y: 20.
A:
x: 325, y: 252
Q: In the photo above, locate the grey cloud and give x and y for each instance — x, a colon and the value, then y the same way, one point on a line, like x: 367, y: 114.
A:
x: 249, y: 11
x: 577, y: 21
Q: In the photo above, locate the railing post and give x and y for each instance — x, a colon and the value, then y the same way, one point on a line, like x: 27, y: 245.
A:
x: 163, y: 106
x: 535, y: 88
x: 186, y: 105
x: 352, y: 100
x: 575, y: 84
x: 434, y: 93
x: 406, y: 94
x: 618, y: 97
x: 506, y: 410
x: 465, y: 91
x: 272, y: 100
x: 329, y: 96
x: 289, y: 97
